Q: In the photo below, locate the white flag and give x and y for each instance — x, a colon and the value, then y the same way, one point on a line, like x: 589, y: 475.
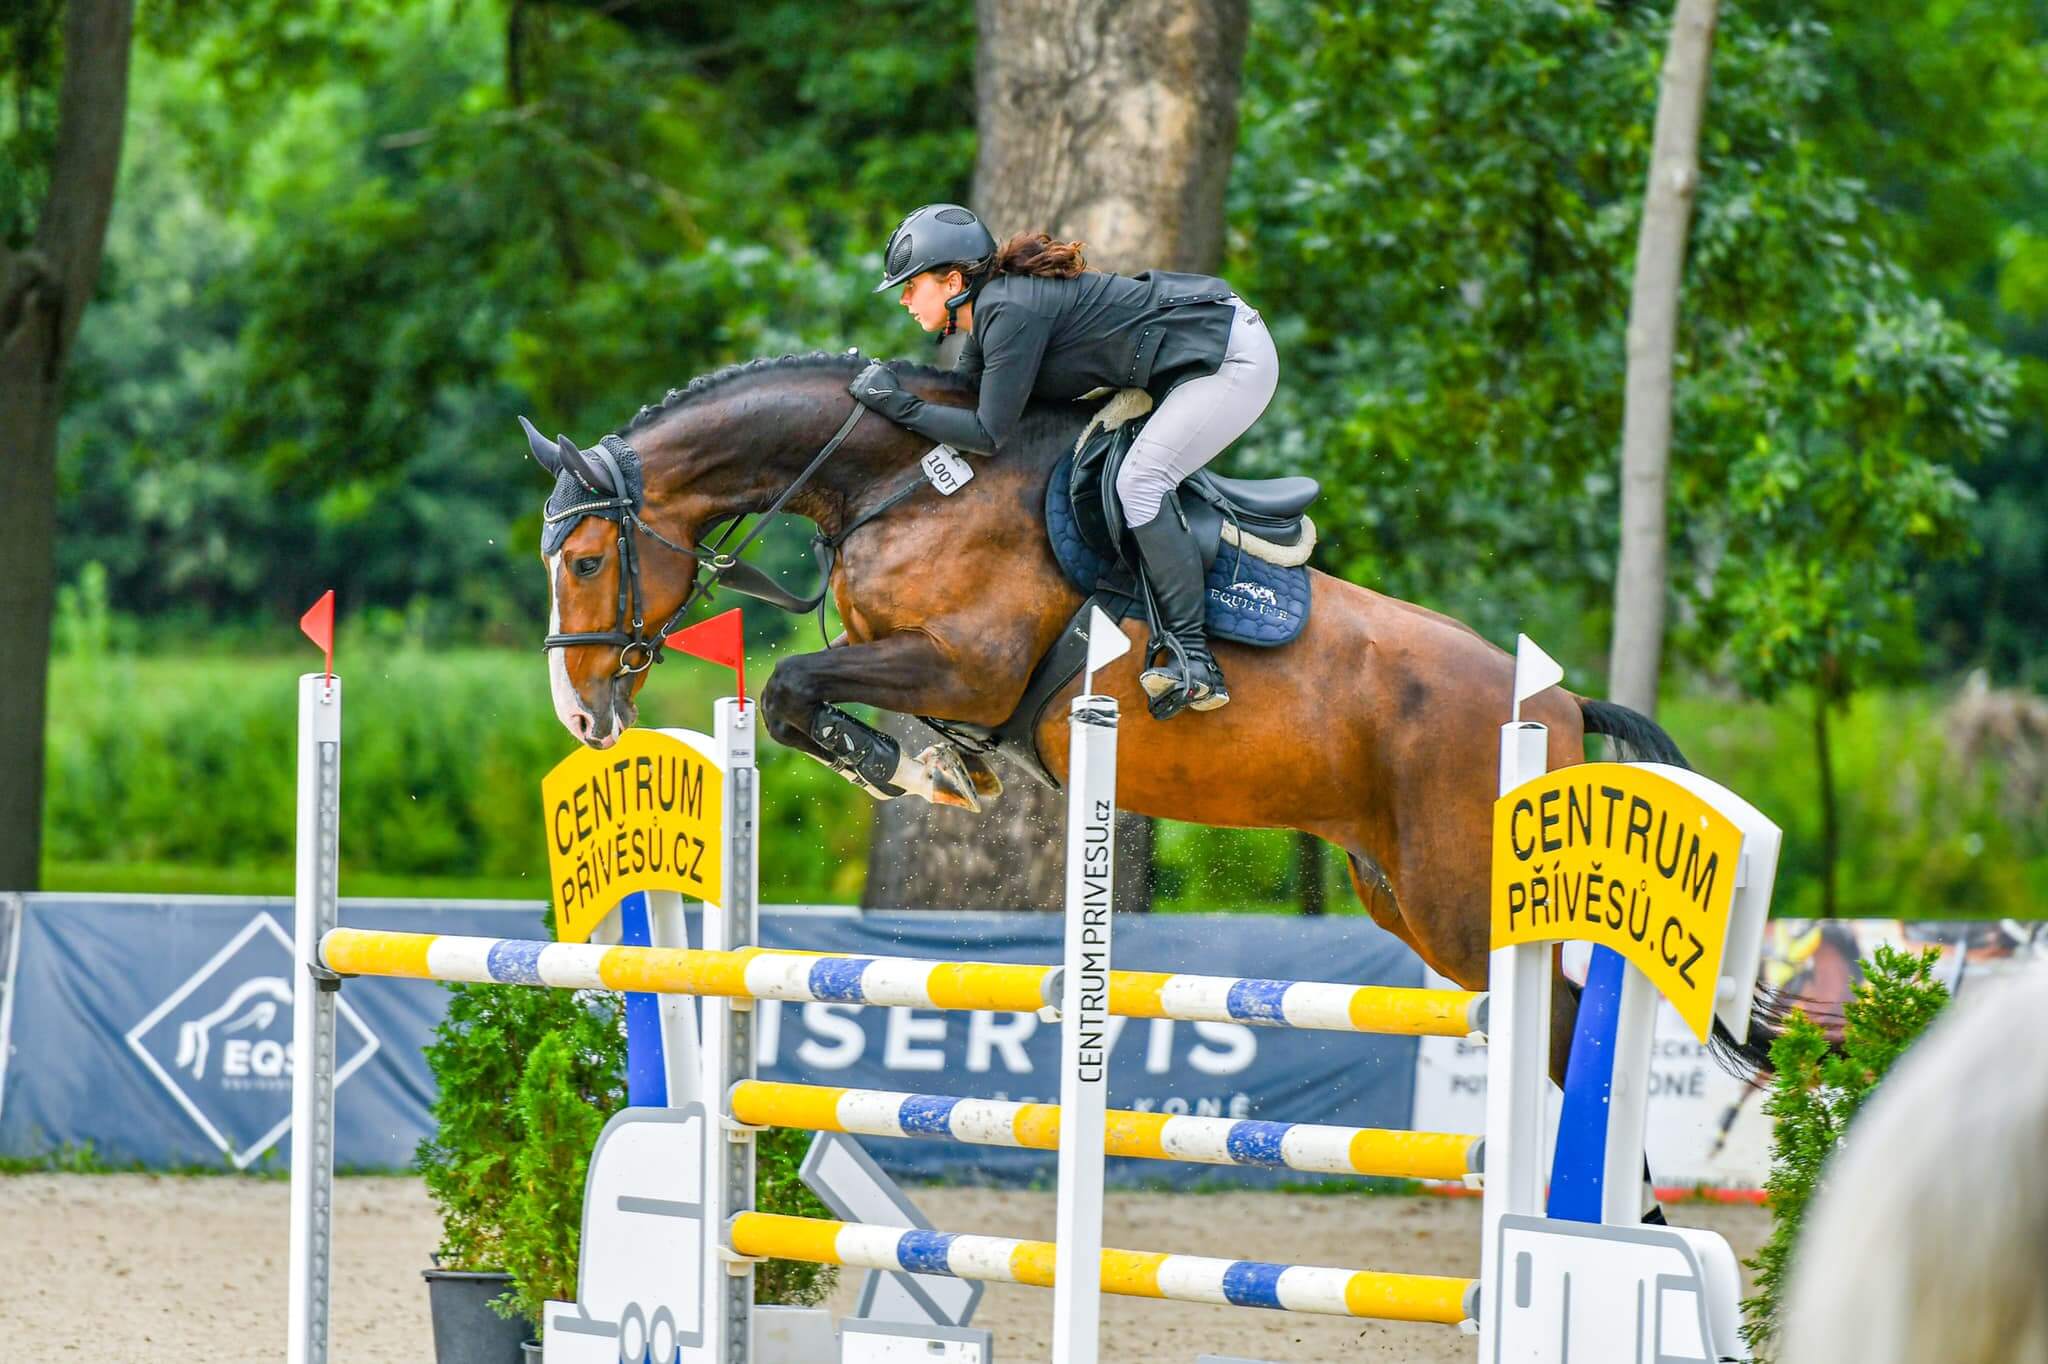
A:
x: 1106, y: 643
x: 1534, y: 670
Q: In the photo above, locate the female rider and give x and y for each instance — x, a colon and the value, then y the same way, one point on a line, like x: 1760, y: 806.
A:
x: 1039, y: 323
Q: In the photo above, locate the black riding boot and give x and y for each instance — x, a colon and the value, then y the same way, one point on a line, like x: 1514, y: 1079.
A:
x: 1173, y: 566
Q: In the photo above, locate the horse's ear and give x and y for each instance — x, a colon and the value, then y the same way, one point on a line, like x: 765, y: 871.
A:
x: 594, y: 478
x: 543, y: 451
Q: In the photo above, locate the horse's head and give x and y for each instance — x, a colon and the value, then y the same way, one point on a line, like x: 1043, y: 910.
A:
x: 622, y: 527
x: 617, y: 582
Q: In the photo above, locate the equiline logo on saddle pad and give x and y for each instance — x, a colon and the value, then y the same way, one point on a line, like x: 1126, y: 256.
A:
x: 1250, y: 601
x: 1246, y: 596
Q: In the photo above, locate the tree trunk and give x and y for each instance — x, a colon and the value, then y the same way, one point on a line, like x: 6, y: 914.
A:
x: 43, y: 292
x: 1010, y: 856
x: 1640, y: 576
x: 1830, y: 829
x: 1113, y: 123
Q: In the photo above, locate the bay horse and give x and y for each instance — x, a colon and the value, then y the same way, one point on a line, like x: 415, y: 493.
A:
x: 1377, y: 730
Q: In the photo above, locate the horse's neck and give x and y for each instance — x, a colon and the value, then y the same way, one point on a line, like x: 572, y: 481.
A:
x: 877, y: 458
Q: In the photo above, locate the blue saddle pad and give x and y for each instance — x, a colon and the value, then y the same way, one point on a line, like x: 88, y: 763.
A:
x: 1250, y: 600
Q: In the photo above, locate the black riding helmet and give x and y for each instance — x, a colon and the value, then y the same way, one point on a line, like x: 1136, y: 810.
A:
x: 932, y: 238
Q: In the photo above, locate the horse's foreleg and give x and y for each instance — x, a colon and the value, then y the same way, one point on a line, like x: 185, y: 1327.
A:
x: 904, y: 673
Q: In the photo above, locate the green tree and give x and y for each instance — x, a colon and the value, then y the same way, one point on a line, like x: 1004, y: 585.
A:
x: 1445, y: 196
x: 353, y: 241
x: 1942, y: 111
x: 63, y: 97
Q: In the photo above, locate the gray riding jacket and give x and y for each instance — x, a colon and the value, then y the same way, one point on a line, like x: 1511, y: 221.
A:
x: 1060, y: 338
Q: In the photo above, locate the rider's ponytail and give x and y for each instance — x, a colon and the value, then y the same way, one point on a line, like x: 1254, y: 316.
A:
x: 1036, y: 253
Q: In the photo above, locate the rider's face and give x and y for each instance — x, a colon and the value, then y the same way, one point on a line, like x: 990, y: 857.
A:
x: 924, y: 298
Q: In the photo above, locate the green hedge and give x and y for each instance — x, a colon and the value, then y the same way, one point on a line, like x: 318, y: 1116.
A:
x: 185, y: 764
x: 175, y: 773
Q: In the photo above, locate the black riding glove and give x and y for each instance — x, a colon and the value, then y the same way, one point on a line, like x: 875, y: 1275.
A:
x: 876, y: 387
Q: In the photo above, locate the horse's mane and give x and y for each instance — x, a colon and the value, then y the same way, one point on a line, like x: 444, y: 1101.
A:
x: 846, y: 362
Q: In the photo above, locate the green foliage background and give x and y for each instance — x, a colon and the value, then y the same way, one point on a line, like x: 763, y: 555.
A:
x: 444, y: 753
x: 351, y: 241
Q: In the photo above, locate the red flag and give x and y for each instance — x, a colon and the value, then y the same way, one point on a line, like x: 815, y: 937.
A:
x: 717, y: 640
x: 318, y: 623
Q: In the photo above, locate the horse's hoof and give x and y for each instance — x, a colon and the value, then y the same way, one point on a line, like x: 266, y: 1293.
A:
x: 987, y: 783
x: 951, y: 784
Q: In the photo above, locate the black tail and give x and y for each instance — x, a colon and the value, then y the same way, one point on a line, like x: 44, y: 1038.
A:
x: 1768, y: 1009
x: 1635, y: 737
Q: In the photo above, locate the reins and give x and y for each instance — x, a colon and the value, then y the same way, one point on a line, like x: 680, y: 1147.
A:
x: 715, y: 565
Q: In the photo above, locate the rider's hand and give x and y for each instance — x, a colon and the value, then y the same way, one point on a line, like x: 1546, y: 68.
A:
x: 876, y: 387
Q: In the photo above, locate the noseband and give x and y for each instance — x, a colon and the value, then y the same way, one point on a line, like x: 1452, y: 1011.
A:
x: 641, y: 648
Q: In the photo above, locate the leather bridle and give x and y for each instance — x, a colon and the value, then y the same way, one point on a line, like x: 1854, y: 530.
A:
x: 639, y: 648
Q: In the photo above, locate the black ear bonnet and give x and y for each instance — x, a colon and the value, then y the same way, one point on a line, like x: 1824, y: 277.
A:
x: 604, y: 481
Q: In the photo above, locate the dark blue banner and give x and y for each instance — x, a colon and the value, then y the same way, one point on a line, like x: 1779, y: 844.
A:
x: 157, y: 1031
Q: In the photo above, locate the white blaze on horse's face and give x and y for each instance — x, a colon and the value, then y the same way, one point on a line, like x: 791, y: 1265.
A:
x: 569, y: 707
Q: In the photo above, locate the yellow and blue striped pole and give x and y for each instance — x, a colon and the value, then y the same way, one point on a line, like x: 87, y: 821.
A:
x: 1127, y: 1273
x: 1311, y: 1147
x: 809, y: 977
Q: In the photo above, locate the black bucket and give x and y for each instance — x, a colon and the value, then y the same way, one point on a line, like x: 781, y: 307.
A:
x: 466, y: 1330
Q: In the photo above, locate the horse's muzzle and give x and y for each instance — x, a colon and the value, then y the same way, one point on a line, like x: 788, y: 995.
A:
x: 598, y: 725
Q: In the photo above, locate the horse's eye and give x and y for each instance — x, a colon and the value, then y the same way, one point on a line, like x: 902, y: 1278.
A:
x: 587, y: 567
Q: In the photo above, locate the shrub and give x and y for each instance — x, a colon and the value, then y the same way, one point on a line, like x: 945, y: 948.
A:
x: 504, y: 1058
x: 543, y: 1229
x: 527, y: 1080
x: 1817, y: 1088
